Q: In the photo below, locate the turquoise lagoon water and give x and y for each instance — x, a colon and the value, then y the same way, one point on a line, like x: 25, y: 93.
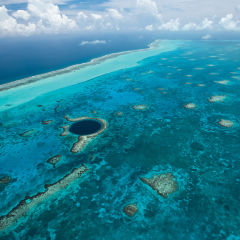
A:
x: 166, y: 137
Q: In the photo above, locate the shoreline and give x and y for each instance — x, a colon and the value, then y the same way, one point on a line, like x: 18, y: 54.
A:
x: 71, y: 68
x: 18, y: 92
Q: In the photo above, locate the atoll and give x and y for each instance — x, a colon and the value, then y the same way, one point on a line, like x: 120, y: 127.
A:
x: 219, y: 98
x: 130, y: 209
x: 29, y: 202
x: 225, y: 123
x: 54, y: 160
x: 201, y: 85
x: 163, y: 184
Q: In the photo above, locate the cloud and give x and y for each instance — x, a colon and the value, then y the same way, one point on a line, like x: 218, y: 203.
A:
x: 41, y: 16
x: 205, y: 24
x: 229, y: 23
x: 93, y: 42
x: 21, y: 14
x: 115, y: 13
x: 49, y: 17
x: 149, y: 27
x: 172, y: 25
x: 149, y: 7
x: 57, y: 16
x: 10, y: 26
x: 96, y: 16
x: 206, y: 37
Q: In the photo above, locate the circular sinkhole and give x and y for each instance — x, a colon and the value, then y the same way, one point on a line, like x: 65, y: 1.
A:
x: 86, y: 127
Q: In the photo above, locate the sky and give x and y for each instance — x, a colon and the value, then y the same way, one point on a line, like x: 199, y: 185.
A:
x: 44, y: 17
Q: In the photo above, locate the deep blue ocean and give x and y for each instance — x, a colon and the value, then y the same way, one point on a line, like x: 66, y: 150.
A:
x: 176, y: 112
x: 24, y: 57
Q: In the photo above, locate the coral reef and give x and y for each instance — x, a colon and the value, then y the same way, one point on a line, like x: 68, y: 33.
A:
x: 29, y: 202
x: 130, y: 209
x: 5, y: 180
x: 56, y: 108
x: 27, y: 133
x: 219, y: 98
x: 225, y: 123
x: 65, y: 130
x: 46, y: 122
x: 223, y: 82
x: 54, y: 160
x: 84, y: 140
x: 190, y: 106
x: 163, y: 184
x: 119, y: 114
x: 81, y: 143
x: 140, y: 107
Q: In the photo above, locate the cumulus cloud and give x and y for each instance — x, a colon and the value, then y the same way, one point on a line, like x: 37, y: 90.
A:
x: 93, y: 42
x: 205, y: 24
x: 149, y: 7
x: 172, y: 25
x: 49, y: 16
x: 10, y: 26
x: 21, y: 14
x: 115, y: 13
x: 41, y: 16
x: 229, y: 23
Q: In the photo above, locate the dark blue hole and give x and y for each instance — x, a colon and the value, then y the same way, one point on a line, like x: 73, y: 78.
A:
x: 85, y: 127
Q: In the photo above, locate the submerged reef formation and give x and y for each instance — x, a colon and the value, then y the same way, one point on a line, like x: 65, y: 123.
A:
x: 140, y: 107
x: 226, y: 123
x: 81, y: 143
x: 5, y: 180
x: 27, y: 133
x: 65, y: 130
x: 190, y: 106
x: 29, y: 202
x: 223, y: 82
x: 119, y: 114
x: 163, y: 184
x: 54, y: 160
x: 83, y: 140
x: 46, y: 122
x: 130, y: 209
x: 56, y: 108
x: 217, y: 98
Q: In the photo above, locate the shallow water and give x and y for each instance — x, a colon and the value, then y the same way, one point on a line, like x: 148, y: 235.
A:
x: 165, y: 137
